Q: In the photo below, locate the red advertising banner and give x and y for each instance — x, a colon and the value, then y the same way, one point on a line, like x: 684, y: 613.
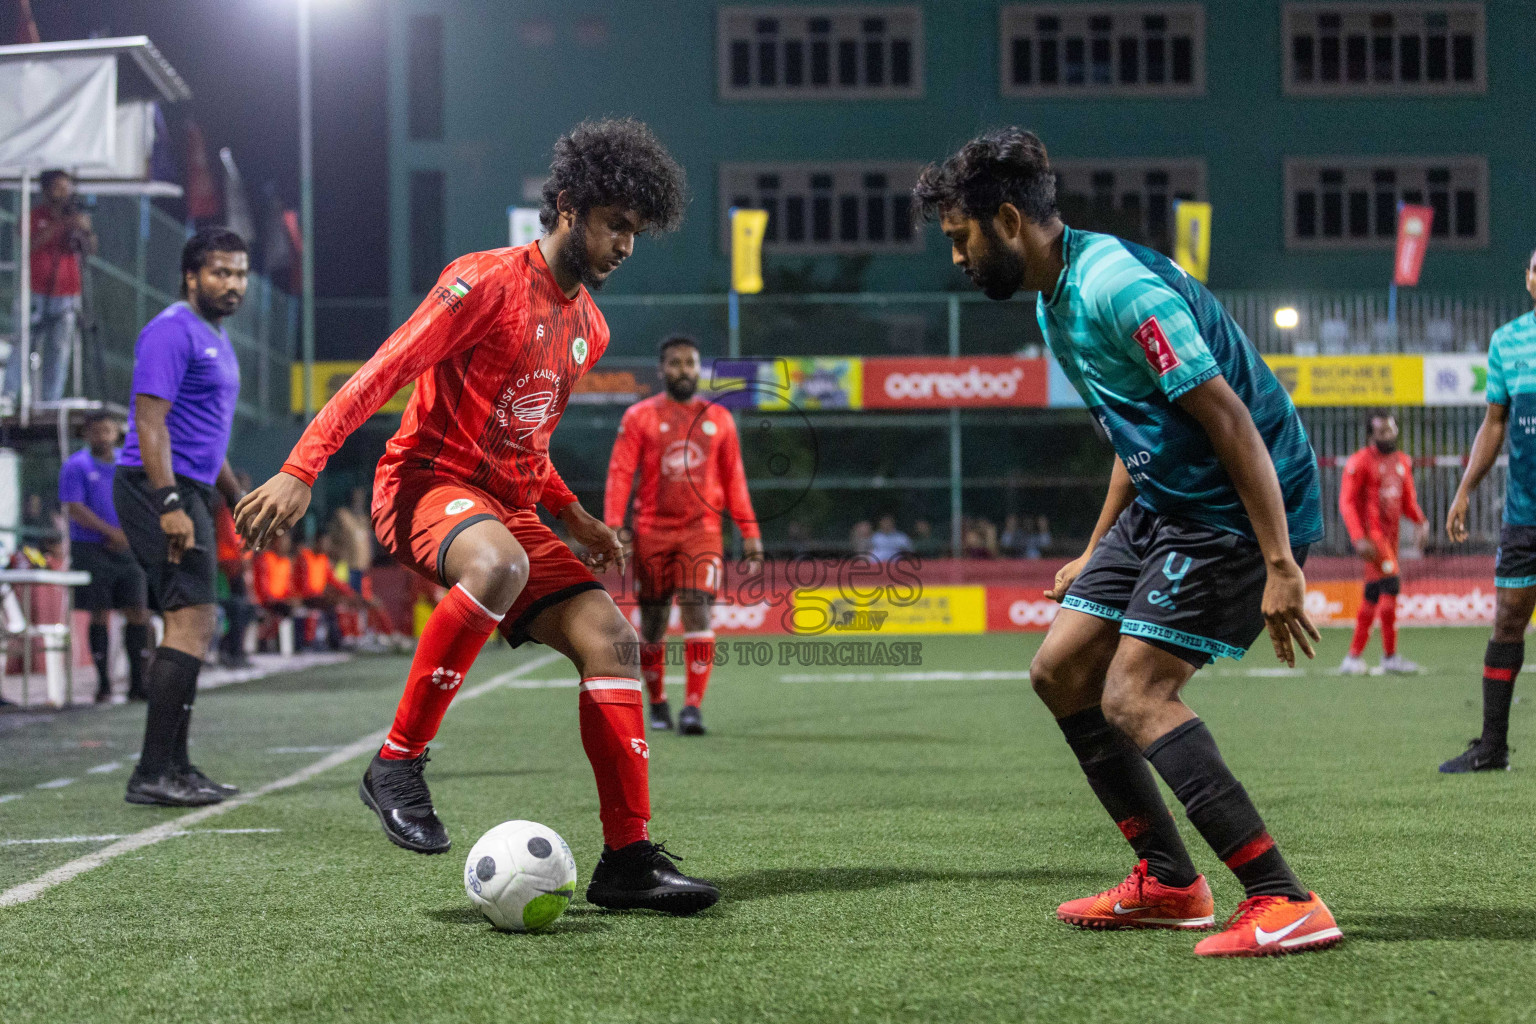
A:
x: 939, y: 382
x: 1413, y: 224
x: 1015, y: 609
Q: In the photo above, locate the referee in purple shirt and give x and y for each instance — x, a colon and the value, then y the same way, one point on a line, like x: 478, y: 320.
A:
x: 186, y: 381
x: 98, y: 546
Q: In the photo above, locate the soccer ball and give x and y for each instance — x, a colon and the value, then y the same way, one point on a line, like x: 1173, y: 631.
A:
x: 521, y: 875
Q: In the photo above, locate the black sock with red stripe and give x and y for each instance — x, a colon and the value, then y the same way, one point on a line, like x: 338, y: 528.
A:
x: 1120, y: 778
x: 1218, y: 806
x: 1501, y: 663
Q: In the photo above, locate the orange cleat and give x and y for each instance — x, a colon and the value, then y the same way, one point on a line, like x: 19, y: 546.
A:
x: 1141, y: 901
x: 1271, y: 925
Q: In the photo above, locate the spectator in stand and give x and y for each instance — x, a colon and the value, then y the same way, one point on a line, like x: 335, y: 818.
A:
x: 61, y: 233
x: 923, y: 541
x: 98, y: 546
x: 275, y: 586
x: 978, y: 539
x: 235, y: 567
x: 322, y: 592
x: 1013, y: 541
x: 859, y: 538
x: 888, y: 542
x: 1038, y: 543
x: 351, y: 532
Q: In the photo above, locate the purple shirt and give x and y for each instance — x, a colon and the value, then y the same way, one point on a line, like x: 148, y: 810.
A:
x: 180, y: 357
x: 88, y: 482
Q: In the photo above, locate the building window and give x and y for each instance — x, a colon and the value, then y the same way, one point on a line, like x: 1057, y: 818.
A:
x: 424, y: 77
x: 820, y: 52
x: 1127, y: 197
x: 1102, y: 49
x: 825, y: 208
x: 426, y: 229
x: 1397, y: 49
x: 1351, y: 202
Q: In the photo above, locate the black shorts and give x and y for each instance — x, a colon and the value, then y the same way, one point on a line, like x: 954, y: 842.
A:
x: 1515, y: 563
x: 189, y: 582
x: 1190, y: 589
x: 117, y: 582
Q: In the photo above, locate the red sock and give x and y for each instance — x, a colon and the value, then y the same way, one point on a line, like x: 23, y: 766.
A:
x: 1389, y: 624
x: 1363, y: 619
x: 700, y: 650
x: 458, y: 628
x: 613, y: 735
x: 653, y: 666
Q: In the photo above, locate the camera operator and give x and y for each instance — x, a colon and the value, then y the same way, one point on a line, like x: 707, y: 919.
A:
x: 61, y: 236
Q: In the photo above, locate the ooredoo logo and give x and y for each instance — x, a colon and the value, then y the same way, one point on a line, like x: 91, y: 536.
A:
x: 1032, y: 613
x: 969, y: 384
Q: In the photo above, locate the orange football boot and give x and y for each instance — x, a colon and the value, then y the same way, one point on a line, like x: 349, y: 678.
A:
x: 1271, y: 925
x: 1141, y: 901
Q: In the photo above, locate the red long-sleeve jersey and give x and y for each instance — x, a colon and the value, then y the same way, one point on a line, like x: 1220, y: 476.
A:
x: 1376, y: 492
x: 494, y: 350
x: 689, y: 458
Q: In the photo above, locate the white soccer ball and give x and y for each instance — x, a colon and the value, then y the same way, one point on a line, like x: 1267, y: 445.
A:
x: 521, y: 875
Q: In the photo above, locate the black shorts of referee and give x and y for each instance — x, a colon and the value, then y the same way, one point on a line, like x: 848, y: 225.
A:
x: 171, y: 585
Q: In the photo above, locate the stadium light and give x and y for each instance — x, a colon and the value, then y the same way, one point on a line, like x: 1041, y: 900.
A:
x: 1286, y: 318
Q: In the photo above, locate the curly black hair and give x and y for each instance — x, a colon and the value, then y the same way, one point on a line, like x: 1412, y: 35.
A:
x: 1004, y: 165
x: 615, y: 162
x: 194, y: 255
x: 672, y: 341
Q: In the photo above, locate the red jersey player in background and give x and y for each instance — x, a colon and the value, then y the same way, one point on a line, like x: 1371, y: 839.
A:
x: 1377, y: 491
x: 689, y: 459
x: 495, y: 350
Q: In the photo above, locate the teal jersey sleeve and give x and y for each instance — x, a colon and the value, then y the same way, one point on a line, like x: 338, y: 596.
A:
x: 1498, y: 387
x: 1153, y: 323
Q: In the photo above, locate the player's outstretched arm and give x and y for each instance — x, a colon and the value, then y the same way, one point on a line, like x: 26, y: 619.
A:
x: 1121, y: 493
x: 1485, y: 452
x: 270, y: 510
x: 1241, y: 449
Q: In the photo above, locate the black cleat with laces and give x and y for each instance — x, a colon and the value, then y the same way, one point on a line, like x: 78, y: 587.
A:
x: 396, y: 792
x: 171, y: 790
x: 661, y: 715
x: 1478, y: 757
x: 192, y: 773
x: 641, y: 876
x: 690, y: 721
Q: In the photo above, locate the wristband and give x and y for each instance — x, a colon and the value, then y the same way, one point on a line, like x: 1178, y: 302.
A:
x: 167, y: 499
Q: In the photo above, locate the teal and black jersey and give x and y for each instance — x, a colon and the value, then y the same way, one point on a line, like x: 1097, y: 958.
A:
x: 1512, y: 382
x: 1133, y: 332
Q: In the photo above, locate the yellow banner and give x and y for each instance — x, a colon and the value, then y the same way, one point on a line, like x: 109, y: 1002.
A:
x: 832, y: 612
x: 1351, y: 380
x: 747, y: 227
x: 329, y: 377
x: 1192, y: 239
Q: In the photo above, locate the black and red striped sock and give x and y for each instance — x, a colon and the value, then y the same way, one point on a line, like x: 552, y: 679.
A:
x: 1120, y: 778
x: 1501, y: 663
x: 1218, y: 806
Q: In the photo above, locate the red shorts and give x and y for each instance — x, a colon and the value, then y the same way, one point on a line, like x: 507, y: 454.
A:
x: 1385, y: 564
x: 667, y: 561
x: 417, y: 515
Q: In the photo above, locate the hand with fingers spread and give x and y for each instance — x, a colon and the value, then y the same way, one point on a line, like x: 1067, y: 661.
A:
x: 1285, y: 612
x: 271, y: 509
x: 601, y: 541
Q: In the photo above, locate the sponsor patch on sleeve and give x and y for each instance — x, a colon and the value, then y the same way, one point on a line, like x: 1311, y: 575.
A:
x: 1155, y: 344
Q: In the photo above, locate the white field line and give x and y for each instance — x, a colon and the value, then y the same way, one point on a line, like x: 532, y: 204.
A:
x: 53, y: 784
x: 8, y: 797
x: 102, y: 769
x: 902, y: 677
x: 111, y: 836
x: 28, y: 891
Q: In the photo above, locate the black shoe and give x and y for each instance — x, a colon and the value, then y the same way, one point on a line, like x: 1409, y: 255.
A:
x: 1478, y: 757
x: 690, y: 722
x: 103, y: 696
x: 169, y: 791
x: 641, y: 876
x: 137, y: 693
x: 195, y: 774
x: 397, y: 793
x: 661, y: 715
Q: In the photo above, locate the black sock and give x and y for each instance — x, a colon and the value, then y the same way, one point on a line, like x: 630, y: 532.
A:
x: 1501, y: 663
x: 1218, y: 806
x: 136, y: 640
x: 166, y: 683
x: 101, y: 654
x: 179, y: 755
x: 1120, y: 778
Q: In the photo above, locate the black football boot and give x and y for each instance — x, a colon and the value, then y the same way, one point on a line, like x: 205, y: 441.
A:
x: 397, y: 793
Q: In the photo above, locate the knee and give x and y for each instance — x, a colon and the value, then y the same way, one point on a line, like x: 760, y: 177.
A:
x: 495, y: 577
x: 611, y: 649
x: 1124, y: 704
x: 1053, y: 679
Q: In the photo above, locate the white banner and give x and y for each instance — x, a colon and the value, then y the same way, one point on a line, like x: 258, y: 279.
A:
x: 59, y: 112
x: 1456, y: 380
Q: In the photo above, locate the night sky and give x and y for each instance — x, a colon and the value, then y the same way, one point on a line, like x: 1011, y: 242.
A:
x: 240, y: 58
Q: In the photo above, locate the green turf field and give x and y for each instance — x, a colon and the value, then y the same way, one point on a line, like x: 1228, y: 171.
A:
x: 888, y: 850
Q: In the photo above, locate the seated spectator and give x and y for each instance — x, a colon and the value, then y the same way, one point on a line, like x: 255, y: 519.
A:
x: 859, y: 537
x: 1039, y: 542
x: 888, y: 542
x: 978, y: 539
x: 275, y: 586
x: 322, y: 593
x: 235, y: 567
x: 923, y: 541
x: 1013, y: 541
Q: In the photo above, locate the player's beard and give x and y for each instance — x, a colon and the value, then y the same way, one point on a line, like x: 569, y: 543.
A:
x: 682, y: 388
x: 1001, y: 273
x: 1386, y: 447
x: 576, y: 261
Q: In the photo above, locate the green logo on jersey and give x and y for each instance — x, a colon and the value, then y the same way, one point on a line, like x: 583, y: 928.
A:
x: 579, y: 350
